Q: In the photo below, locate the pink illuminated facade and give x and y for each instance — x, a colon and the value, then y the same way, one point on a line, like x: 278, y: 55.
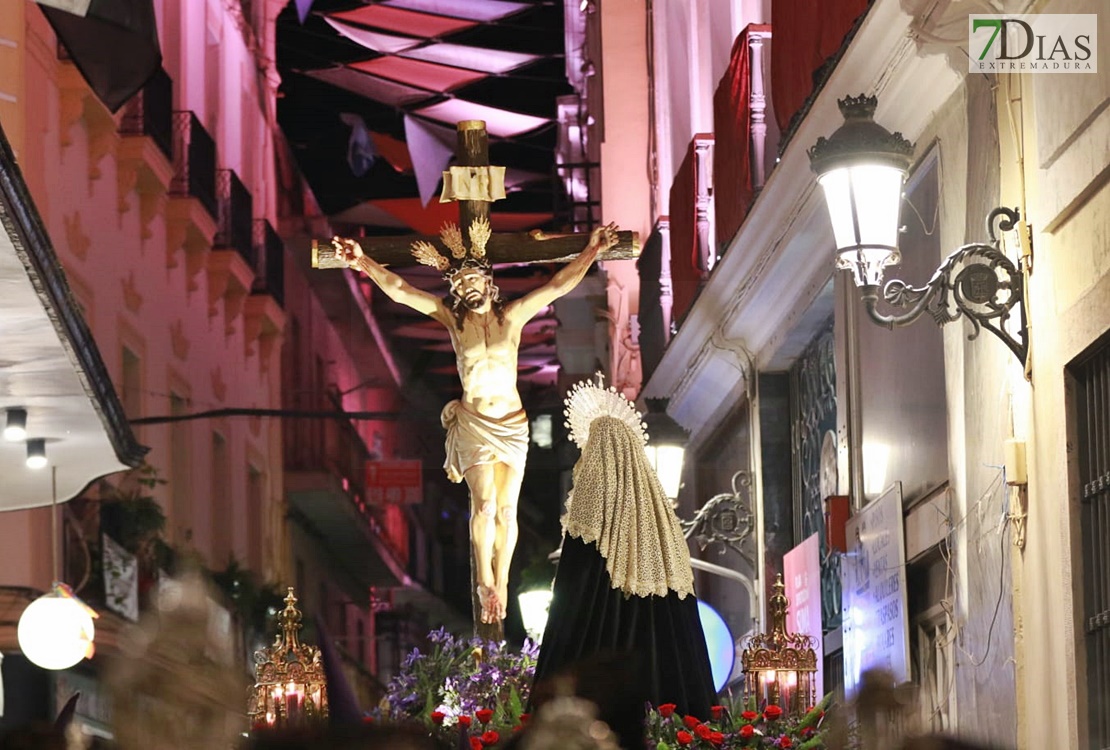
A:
x: 183, y: 228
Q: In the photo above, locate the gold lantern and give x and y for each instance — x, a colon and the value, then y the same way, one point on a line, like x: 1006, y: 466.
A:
x: 780, y: 667
x: 290, y: 688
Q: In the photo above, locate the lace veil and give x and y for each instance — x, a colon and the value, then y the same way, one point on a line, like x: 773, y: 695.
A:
x: 617, y: 501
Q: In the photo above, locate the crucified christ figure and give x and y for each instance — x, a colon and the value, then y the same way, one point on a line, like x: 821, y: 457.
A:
x: 487, y: 430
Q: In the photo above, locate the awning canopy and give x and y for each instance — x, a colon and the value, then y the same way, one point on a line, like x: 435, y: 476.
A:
x: 49, y: 364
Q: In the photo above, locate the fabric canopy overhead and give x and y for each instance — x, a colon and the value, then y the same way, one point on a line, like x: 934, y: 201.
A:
x: 410, y: 70
x: 404, y: 21
x: 431, y: 147
x: 372, y: 87
x: 493, y: 61
x: 473, y: 10
x: 500, y: 123
x: 417, y: 73
x: 388, y: 44
x: 114, y: 43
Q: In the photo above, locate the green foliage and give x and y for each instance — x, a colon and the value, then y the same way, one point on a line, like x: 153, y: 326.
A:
x: 256, y: 603
x: 131, y: 516
x: 740, y: 725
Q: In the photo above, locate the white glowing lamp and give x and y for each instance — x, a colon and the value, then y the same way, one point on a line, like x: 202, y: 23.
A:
x: 666, y: 446
x: 534, y: 606
x: 861, y: 169
x: 56, y: 630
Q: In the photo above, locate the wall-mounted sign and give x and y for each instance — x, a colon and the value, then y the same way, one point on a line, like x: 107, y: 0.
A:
x: 398, y: 482
x: 801, y: 572
x: 876, y: 622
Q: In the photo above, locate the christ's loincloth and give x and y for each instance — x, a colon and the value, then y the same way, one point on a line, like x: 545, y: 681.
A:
x: 474, y: 439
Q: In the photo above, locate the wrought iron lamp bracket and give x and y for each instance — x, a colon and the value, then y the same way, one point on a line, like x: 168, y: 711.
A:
x: 977, y: 281
x: 725, y: 519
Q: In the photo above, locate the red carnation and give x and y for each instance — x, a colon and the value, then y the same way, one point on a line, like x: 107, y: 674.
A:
x: 701, y: 730
x: 666, y: 710
x: 691, y: 722
x: 684, y: 737
x: 807, y: 731
x: 785, y: 741
x: 484, y: 715
x: 524, y: 718
x: 475, y: 743
x: 367, y: 719
x: 437, y: 717
x: 747, y: 731
x: 464, y: 721
x: 490, y: 738
x: 517, y: 728
x: 749, y: 716
x: 718, y: 712
x: 772, y: 712
x: 716, y: 738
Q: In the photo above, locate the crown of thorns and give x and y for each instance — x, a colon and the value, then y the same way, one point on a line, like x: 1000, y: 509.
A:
x: 473, y: 258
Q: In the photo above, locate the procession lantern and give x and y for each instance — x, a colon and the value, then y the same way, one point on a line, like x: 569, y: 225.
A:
x: 780, y: 667
x: 290, y: 688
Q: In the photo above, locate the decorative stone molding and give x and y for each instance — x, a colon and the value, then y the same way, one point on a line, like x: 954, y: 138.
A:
x: 76, y: 239
x: 144, y: 169
x: 189, y: 228
x: 179, y: 342
x: 132, y: 300
x: 229, y: 279
x: 219, y: 386
x: 263, y: 326
x: 72, y: 93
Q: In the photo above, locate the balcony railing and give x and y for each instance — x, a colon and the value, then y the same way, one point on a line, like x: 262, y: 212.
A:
x: 326, y: 444
x: 150, y: 112
x: 194, y: 161
x: 236, y: 216
x: 269, y: 270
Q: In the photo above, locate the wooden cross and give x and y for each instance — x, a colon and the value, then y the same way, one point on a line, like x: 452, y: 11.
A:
x: 472, y: 150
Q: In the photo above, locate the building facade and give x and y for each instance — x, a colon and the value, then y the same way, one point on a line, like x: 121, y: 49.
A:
x: 776, y: 369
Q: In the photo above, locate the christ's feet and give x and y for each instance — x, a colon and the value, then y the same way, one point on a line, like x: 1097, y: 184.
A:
x: 492, y: 607
x: 502, y: 600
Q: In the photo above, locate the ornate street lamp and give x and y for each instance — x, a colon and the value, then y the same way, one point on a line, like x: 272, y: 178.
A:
x: 290, y: 688
x: 780, y: 667
x: 861, y: 169
x: 666, y: 446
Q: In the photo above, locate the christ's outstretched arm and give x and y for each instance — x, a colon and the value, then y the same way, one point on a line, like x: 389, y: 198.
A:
x: 566, y: 278
x: 395, y: 287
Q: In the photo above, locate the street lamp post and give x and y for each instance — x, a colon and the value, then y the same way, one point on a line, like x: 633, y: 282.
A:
x: 861, y: 169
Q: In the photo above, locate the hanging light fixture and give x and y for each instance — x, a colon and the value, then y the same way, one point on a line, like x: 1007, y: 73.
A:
x: 862, y: 168
x: 534, y: 606
x: 56, y: 630
x: 780, y: 667
x: 15, y: 429
x: 666, y: 446
x: 36, y: 453
x: 290, y: 688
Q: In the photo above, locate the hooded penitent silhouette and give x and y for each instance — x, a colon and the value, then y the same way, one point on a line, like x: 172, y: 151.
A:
x: 624, y: 583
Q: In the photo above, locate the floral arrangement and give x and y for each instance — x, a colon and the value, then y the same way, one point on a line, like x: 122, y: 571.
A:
x: 473, y: 691
x: 469, y: 688
x: 737, y: 727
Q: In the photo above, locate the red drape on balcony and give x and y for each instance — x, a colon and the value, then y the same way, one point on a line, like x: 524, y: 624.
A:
x: 685, y: 275
x: 806, y: 34
x: 732, y: 170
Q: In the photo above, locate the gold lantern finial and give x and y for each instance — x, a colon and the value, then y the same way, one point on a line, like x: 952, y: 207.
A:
x: 780, y: 667
x: 290, y: 687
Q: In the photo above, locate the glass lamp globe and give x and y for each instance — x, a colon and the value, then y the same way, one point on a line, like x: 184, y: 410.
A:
x: 534, y: 606
x: 861, y: 169
x: 666, y: 446
x: 55, y: 632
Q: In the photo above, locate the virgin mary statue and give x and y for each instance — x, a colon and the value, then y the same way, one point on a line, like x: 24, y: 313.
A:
x: 624, y: 585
